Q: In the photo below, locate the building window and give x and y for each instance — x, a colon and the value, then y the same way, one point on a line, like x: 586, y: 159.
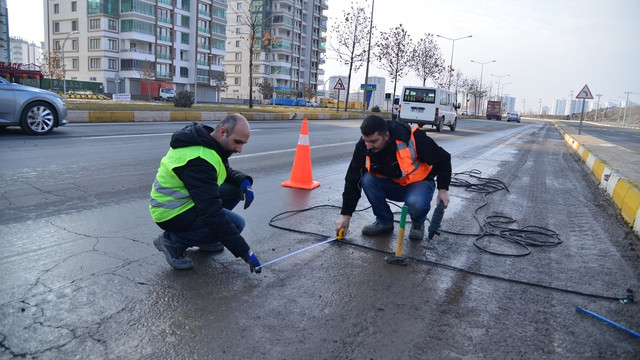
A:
x: 113, y: 25
x: 238, y: 56
x: 237, y: 43
x: 74, y: 63
x: 95, y: 63
x: 93, y: 78
x: 113, y: 44
x: 94, y: 24
x: 94, y: 44
x: 184, y: 72
x: 56, y: 27
x: 236, y: 81
x: 237, y: 68
x: 113, y: 64
x: 56, y: 8
x: 74, y: 45
x: 74, y: 25
x: 74, y: 6
x: 56, y: 45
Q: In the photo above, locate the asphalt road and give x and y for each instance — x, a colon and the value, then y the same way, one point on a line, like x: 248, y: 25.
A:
x: 82, y: 279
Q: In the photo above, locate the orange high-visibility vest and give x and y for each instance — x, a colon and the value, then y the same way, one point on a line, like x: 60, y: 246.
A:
x: 412, y: 169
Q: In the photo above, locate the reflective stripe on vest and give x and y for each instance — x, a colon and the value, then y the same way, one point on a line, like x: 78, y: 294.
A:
x: 412, y: 169
x: 169, y: 196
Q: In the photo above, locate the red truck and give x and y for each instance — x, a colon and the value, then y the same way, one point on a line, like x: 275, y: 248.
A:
x: 494, y: 109
x: 160, y: 91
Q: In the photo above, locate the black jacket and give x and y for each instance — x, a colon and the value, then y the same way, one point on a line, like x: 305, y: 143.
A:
x: 385, y: 163
x: 201, y: 180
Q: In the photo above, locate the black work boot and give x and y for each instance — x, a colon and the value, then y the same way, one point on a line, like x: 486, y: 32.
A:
x: 174, y: 253
x: 417, y: 231
x: 377, y: 228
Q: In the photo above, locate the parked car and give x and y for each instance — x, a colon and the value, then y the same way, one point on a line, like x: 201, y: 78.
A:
x: 513, y: 117
x: 312, y: 104
x: 36, y: 111
x: 394, y: 109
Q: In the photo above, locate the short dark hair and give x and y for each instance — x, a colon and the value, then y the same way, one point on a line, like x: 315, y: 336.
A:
x: 374, y: 124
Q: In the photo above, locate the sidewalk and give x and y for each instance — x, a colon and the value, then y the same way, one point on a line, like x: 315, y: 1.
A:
x: 617, y: 170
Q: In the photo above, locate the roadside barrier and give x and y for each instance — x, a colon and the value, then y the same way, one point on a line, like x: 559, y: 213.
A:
x: 624, y: 192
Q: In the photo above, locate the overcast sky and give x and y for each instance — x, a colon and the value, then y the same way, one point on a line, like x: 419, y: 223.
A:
x: 548, y: 48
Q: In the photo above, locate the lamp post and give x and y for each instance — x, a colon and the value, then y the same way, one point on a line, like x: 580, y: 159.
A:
x: 366, y: 74
x: 64, y: 68
x: 481, y: 75
x: 499, y: 78
x: 453, y: 43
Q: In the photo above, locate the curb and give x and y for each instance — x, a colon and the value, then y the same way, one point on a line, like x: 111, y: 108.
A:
x: 624, y: 192
x: 83, y: 116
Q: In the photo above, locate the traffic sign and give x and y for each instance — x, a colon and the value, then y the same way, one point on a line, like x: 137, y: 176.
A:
x: 585, y: 93
x: 339, y: 85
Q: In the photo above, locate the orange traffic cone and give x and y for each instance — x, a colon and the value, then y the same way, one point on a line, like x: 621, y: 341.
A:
x: 301, y: 174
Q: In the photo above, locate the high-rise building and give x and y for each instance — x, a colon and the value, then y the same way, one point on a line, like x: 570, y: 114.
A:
x: 182, y: 42
x: 288, y: 46
x: 5, y: 53
x: 23, y: 52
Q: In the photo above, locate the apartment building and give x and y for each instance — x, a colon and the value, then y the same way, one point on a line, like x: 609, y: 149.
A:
x: 5, y: 54
x: 288, y: 50
x: 24, y: 52
x: 113, y: 41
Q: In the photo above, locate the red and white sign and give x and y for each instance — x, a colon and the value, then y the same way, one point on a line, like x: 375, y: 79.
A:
x: 585, y: 93
x: 339, y: 85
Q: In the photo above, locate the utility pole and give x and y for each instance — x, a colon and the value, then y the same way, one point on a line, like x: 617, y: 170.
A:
x: 597, y: 107
x: 626, y: 104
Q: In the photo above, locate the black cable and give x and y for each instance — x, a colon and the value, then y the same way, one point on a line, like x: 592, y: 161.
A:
x: 625, y: 299
x: 524, y: 237
x: 494, y: 226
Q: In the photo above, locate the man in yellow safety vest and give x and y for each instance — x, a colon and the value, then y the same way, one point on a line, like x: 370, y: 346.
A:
x: 195, y: 190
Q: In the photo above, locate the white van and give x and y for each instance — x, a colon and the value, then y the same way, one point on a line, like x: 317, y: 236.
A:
x: 428, y: 106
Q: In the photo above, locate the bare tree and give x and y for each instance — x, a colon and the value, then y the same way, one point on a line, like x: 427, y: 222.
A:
x: 393, y: 51
x: 308, y: 91
x: 147, y: 75
x: 51, y: 66
x: 352, y: 36
x: 266, y: 89
x: 427, y: 59
x: 257, y: 38
x: 220, y: 81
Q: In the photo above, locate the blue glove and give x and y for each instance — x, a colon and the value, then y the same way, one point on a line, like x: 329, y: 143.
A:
x: 251, y: 259
x: 245, y: 187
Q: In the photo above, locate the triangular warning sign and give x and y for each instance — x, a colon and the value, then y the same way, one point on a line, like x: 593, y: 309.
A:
x: 585, y: 93
x: 339, y: 85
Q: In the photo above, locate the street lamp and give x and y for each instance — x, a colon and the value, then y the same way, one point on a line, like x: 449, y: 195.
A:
x: 453, y: 43
x: 64, y: 68
x: 481, y: 74
x: 499, y: 78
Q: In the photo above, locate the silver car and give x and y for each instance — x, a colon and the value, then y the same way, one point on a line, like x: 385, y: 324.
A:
x: 35, y: 110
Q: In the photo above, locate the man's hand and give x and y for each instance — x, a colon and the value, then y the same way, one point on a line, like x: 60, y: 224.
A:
x: 343, y: 223
x: 245, y: 187
x: 251, y: 259
x: 443, y: 195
